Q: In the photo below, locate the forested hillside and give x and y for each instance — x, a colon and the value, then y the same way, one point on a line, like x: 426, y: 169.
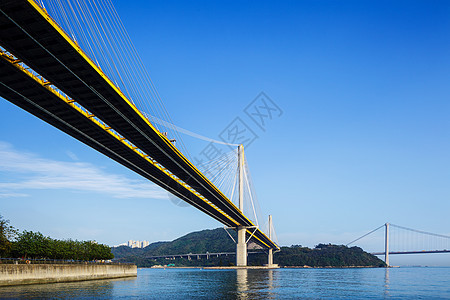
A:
x: 217, y: 240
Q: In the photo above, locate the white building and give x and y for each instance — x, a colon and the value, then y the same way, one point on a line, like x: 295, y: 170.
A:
x: 137, y: 244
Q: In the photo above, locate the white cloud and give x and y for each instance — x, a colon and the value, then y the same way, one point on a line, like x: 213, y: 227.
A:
x: 11, y: 195
x: 27, y: 171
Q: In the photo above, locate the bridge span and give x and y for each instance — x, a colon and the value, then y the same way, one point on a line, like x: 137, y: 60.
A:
x: 45, y: 72
x: 199, y: 255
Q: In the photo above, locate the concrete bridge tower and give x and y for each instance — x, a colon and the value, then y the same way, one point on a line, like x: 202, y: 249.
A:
x: 241, y: 246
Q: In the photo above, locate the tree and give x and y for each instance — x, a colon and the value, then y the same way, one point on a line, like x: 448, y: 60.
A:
x: 7, y: 234
x: 31, y: 244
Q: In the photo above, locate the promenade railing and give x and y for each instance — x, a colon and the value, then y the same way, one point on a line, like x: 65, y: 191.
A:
x: 17, y: 261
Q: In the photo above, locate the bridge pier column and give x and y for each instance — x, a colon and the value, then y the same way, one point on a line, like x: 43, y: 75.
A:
x: 241, y: 248
x: 270, y: 257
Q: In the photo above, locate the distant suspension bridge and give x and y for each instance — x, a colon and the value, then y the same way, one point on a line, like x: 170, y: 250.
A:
x: 404, y: 240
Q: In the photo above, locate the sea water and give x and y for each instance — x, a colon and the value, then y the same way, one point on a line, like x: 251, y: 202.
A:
x: 169, y: 283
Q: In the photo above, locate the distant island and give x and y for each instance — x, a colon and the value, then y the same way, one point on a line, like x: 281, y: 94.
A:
x: 217, y: 240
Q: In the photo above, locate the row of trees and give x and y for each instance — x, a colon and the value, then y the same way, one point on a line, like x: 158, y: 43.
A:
x: 29, y: 244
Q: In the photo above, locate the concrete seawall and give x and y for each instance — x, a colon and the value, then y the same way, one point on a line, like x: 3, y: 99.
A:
x: 48, y: 273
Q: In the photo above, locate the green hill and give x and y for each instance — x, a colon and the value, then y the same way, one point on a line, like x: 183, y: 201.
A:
x: 326, y: 255
x: 217, y: 240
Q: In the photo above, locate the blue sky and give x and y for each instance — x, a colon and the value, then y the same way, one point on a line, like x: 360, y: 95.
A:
x: 363, y: 138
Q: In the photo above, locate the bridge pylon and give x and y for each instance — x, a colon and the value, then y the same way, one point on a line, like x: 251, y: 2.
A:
x: 386, y: 244
x: 270, y: 263
x: 241, y: 246
x: 270, y: 255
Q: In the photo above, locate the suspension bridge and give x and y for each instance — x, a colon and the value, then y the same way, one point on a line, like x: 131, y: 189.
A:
x: 404, y: 240
x: 72, y: 64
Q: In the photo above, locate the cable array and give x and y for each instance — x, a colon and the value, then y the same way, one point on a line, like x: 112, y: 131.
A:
x: 223, y: 172
x: 97, y: 28
x: 403, y: 239
x: 251, y: 204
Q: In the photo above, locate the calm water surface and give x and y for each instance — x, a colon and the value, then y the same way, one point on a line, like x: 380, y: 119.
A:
x: 396, y: 283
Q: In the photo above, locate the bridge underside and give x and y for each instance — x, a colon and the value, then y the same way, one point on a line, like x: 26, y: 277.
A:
x: 32, y: 37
